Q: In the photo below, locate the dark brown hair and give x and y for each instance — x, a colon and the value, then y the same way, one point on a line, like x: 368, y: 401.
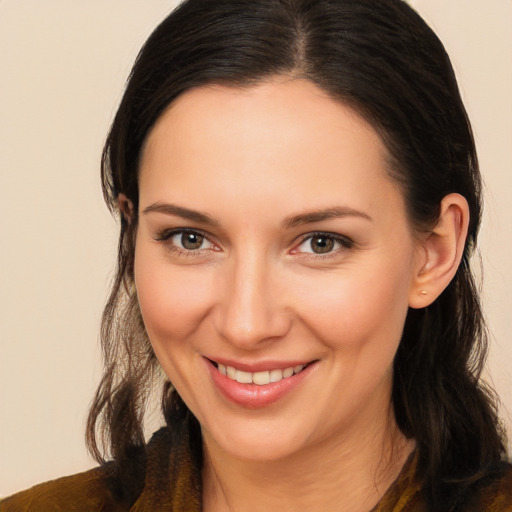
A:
x: 379, y: 57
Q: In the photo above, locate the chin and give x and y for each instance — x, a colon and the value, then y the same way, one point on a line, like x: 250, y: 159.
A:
x: 258, y: 450
x: 258, y: 444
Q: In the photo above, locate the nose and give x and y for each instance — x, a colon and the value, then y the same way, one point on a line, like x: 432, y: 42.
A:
x: 251, y: 307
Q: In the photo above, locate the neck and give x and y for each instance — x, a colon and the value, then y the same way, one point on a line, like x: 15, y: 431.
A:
x: 348, y: 473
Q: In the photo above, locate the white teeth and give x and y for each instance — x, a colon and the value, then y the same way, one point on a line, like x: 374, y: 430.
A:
x: 231, y: 372
x: 259, y: 378
x: 276, y: 375
x: 243, y: 377
x: 287, y: 372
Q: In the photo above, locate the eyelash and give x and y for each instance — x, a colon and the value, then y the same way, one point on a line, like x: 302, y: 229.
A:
x: 167, y: 235
x: 343, y: 242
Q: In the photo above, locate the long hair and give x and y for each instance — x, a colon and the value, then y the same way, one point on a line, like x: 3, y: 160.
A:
x: 380, y: 58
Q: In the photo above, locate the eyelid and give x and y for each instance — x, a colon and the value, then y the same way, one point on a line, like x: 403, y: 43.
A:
x: 344, y: 241
x: 166, y: 235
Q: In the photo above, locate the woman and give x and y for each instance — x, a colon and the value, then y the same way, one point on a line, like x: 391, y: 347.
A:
x: 299, y: 197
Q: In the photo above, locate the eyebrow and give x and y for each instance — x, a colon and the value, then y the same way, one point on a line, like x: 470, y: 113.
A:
x: 180, y: 211
x: 290, y: 222
x: 321, y: 215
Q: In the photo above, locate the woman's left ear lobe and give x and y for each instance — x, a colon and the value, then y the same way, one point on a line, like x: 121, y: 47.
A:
x: 440, y: 252
x: 125, y: 207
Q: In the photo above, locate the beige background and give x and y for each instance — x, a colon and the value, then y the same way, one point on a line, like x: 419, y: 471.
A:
x: 62, y: 68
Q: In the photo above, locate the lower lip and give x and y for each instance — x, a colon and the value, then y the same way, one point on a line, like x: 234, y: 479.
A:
x: 253, y: 396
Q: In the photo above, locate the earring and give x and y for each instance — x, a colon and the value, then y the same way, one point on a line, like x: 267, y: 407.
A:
x: 423, y: 292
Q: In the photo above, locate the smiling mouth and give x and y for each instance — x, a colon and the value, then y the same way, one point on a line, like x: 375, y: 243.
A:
x: 259, y: 378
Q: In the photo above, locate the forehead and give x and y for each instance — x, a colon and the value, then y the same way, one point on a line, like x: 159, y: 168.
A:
x: 258, y: 111
x: 276, y: 137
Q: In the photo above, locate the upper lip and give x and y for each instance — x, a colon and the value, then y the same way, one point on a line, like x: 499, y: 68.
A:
x: 259, y: 366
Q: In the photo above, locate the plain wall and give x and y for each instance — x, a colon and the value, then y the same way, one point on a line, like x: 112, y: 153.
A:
x: 62, y: 69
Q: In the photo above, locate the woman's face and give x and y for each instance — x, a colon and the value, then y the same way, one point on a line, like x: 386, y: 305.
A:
x: 273, y: 248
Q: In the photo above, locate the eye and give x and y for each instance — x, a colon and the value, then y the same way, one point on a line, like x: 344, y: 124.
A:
x: 191, y: 241
x: 323, y: 243
x: 186, y: 240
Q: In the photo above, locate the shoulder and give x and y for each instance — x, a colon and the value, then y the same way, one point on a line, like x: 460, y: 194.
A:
x: 492, y: 493
x: 113, y: 487
x: 495, y: 494
x: 87, y: 491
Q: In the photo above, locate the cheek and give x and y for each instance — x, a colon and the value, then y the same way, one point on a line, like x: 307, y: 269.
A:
x: 363, y: 310
x: 172, y: 301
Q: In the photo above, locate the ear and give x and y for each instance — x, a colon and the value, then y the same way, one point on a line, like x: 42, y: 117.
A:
x: 125, y: 207
x: 440, y: 252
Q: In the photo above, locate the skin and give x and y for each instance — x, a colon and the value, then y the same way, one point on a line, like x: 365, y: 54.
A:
x: 254, y: 290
